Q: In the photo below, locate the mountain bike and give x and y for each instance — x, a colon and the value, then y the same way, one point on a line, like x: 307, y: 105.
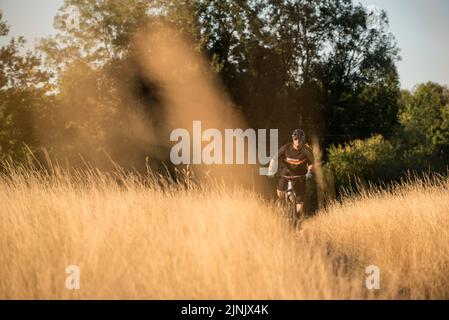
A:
x: 289, y: 202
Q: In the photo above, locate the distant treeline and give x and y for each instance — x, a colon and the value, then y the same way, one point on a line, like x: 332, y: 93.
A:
x: 312, y: 64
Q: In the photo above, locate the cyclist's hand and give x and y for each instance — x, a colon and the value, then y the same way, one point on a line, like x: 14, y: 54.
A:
x: 271, y: 173
x: 309, y: 175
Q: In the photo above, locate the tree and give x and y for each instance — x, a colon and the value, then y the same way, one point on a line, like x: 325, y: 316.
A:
x: 101, y: 36
x: 286, y: 64
x: 359, y: 77
x: 424, y: 115
x: 305, y: 63
x: 23, y: 84
x: 100, y: 101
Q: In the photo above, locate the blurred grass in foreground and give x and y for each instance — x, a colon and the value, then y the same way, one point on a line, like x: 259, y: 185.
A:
x: 146, y: 237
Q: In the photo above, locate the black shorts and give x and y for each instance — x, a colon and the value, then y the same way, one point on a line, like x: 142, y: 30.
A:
x: 299, y: 186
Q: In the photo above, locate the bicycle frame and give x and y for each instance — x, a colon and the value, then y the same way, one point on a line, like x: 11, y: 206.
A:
x: 290, y: 190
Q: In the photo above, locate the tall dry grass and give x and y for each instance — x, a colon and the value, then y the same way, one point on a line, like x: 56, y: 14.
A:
x: 404, y: 230
x: 136, y: 237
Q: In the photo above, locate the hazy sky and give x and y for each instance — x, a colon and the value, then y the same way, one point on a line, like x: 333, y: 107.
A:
x: 421, y: 28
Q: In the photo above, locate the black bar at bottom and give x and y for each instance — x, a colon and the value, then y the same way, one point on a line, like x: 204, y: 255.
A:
x: 223, y: 309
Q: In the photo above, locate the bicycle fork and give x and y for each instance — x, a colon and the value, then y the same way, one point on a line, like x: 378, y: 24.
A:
x: 290, y: 192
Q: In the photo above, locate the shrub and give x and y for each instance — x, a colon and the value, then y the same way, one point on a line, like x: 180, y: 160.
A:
x: 373, y: 159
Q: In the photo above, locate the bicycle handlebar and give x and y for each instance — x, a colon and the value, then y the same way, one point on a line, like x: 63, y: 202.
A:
x: 292, y: 177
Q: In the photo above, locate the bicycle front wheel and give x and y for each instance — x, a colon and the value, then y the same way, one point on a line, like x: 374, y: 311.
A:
x: 291, y: 210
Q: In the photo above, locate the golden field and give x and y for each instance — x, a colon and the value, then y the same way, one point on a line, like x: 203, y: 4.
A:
x: 135, y: 237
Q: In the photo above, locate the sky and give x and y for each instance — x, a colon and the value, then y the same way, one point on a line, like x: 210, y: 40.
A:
x: 421, y: 28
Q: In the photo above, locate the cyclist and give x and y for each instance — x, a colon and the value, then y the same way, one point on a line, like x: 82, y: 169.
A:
x: 294, y: 159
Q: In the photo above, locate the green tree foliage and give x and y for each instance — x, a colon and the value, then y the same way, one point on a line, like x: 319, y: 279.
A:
x: 102, y: 35
x: 425, y: 112
x: 97, y: 81
x: 286, y: 64
x: 424, y: 130
x: 307, y: 63
x: 23, y: 85
x: 359, y: 76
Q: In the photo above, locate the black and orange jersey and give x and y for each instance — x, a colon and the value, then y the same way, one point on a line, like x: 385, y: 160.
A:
x: 293, y: 161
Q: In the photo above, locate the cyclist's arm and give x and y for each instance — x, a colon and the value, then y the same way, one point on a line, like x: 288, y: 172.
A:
x: 274, y: 163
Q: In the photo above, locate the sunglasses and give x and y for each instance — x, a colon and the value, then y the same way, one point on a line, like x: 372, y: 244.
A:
x: 295, y: 138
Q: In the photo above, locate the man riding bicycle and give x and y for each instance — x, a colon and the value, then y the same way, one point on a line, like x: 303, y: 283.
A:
x: 294, y: 159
